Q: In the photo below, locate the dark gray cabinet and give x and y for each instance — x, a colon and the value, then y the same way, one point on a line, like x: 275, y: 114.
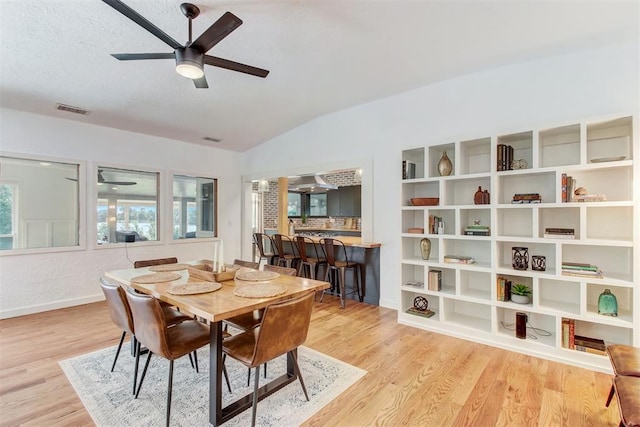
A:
x: 344, y: 202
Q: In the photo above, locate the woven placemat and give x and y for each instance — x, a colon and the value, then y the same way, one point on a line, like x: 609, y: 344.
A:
x: 256, y: 275
x: 168, y: 267
x: 260, y: 290
x: 156, y: 278
x: 194, y: 288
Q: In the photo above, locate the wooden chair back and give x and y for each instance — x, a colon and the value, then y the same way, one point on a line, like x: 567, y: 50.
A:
x: 152, y: 262
x: 119, y: 309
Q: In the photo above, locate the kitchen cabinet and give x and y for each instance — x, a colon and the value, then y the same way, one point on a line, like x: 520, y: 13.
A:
x: 344, y: 202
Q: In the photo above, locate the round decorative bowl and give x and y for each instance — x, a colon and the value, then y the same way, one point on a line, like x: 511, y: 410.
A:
x: 425, y: 201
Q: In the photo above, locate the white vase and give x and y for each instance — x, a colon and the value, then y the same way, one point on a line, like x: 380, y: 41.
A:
x: 520, y: 299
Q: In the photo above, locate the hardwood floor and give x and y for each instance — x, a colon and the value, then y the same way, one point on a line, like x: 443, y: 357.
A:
x: 415, y: 378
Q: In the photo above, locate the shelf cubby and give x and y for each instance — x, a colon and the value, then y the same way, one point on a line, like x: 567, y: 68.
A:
x: 419, y: 189
x: 412, y: 273
x: 559, y: 295
x: 448, y: 218
x: 471, y: 216
x: 411, y: 248
x: 415, y: 156
x: 548, y: 250
x: 468, y: 314
x: 480, y: 250
x: 608, y: 333
x: 435, y: 154
x: 612, y: 139
x: 515, y: 221
x: 563, y: 217
x: 475, y: 156
x: 448, y: 280
x: 413, y: 218
x: 624, y: 297
x: 609, y: 223
x: 434, y: 304
x: 559, y: 146
x: 507, y: 324
x: 614, y: 182
x: 543, y: 183
x: 615, y: 262
x: 475, y: 284
x: 462, y: 191
x: 522, y: 144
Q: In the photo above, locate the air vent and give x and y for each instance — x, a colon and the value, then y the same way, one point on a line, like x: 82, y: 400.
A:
x: 208, y: 138
x: 72, y: 109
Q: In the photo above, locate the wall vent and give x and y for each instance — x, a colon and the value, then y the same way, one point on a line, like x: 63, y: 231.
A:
x: 208, y: 138
x: 72, y: 109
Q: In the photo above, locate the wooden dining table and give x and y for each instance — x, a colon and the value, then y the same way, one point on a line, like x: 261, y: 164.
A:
x: 216, y: 307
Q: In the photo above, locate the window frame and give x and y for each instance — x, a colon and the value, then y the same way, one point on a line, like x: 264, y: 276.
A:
x: 82, y: 205
x: 168, y: 228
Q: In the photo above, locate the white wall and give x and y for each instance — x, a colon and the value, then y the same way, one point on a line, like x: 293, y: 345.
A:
x: 38, y: 282
x: 515, y: 98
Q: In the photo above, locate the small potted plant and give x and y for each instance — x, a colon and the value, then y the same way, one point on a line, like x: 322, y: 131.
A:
x: 520, y: 293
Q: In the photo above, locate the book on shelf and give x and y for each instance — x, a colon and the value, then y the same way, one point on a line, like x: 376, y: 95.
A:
x: 590, y: 198
x: 568, y: 333
x: 458, y: 259
x: 408, y: 170
x: 415, y: 284
x: 522, y: 202
x: 434, y: 282
x: 590, y: 350
x: 559, y: 233
x: 579, y: 267
x: 423, y: 313
x: 563, y: 187
x: 527, y: 196
x: 583, y: 273
x: 559, y: 236
x: 435, y: 224
x: 595, y: 343
x: 477, y: 230
x: 503, y: 290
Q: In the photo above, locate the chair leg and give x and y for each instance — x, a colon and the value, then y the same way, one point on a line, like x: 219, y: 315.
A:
x: 357, y: 281
x: 135, y: 369
x: 169, y: 389
x: 224, y: 371
x: 297, y: 370
x: 191, y: 361
x: 144, y: 372
x: 195, y: 359
x: 611, y: 393
x: 249, y: 377
x: 255, y: 396
x: 115, y: 359
x: 341, y: 286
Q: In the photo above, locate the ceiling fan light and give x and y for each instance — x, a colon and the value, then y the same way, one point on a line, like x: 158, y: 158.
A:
x: 189, y: 63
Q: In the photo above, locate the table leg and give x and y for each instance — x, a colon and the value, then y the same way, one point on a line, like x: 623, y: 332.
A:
x: 215, y: 373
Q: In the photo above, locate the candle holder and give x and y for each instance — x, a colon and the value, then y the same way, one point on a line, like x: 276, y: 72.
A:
x: 538, y: 263
x: 519, y: 258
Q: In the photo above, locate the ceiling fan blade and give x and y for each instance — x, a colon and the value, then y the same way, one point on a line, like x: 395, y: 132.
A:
x: 201, y: 83
x: 235, y: 66
x: 142, y: 21
x: 136, y: 56
x: 216, y: 32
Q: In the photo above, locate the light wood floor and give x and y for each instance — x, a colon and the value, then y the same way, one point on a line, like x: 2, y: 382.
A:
x: 415, y: 378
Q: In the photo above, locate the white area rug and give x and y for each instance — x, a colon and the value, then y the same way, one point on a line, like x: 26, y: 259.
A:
x: 109, y: 400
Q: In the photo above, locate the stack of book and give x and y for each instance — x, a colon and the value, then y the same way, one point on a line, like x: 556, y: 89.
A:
x: 505, y: 157
x: 423, y: 313
x: 526, y: 198
x: 568, y: 333
x: 435, y: 280
x: 457, y: 259
x: 415, y: 284
x: 477, y: 230
x: 503, y: 289
x: 559, y: 233
x: 590, y: 345
x: 590, y: 198
x: 567, y: 187
x: 581, y: 270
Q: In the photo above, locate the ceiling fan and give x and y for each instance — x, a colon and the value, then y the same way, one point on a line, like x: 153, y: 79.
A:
x: 101, y: 180
x: 191, y: 57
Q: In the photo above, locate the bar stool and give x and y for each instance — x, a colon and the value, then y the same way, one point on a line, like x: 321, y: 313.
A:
x: 625, y: 361
x: 307, y: 263
x: 260, y: 239
x: 337, y: 267
x: 285, y: 259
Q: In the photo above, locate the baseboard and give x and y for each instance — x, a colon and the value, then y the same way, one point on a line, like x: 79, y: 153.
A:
x: 6, y: 314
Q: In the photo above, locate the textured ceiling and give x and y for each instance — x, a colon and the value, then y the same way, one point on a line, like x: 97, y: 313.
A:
x: 323, y: 56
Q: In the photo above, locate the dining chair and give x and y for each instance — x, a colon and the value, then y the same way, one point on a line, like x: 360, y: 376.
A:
x: 265, y: 245
x: 152, y: 262
x: 248, y: 264
x: 169, y: 342
x: 338, y: 262
x: 120, y: 314
x: 308, y: 263
x: 285, y: 258
x: 287, y: 271
x: 283, y: 329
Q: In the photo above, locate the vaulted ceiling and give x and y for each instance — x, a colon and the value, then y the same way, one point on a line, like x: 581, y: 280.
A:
x: 323, y: 56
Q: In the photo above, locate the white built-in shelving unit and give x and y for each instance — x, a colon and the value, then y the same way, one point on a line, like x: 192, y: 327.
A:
x: 606, y: 234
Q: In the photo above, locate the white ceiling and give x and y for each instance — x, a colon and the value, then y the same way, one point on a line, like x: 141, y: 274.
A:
x: 323, y: 56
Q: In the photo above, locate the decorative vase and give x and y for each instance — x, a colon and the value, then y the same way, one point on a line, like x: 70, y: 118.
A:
x: 478, y: 196
x: 520, y: 299
x: 538, y: 263
x: 444, y: 165
x: 425, y: 248
x: 519, y: 258
x: 608, y: 304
